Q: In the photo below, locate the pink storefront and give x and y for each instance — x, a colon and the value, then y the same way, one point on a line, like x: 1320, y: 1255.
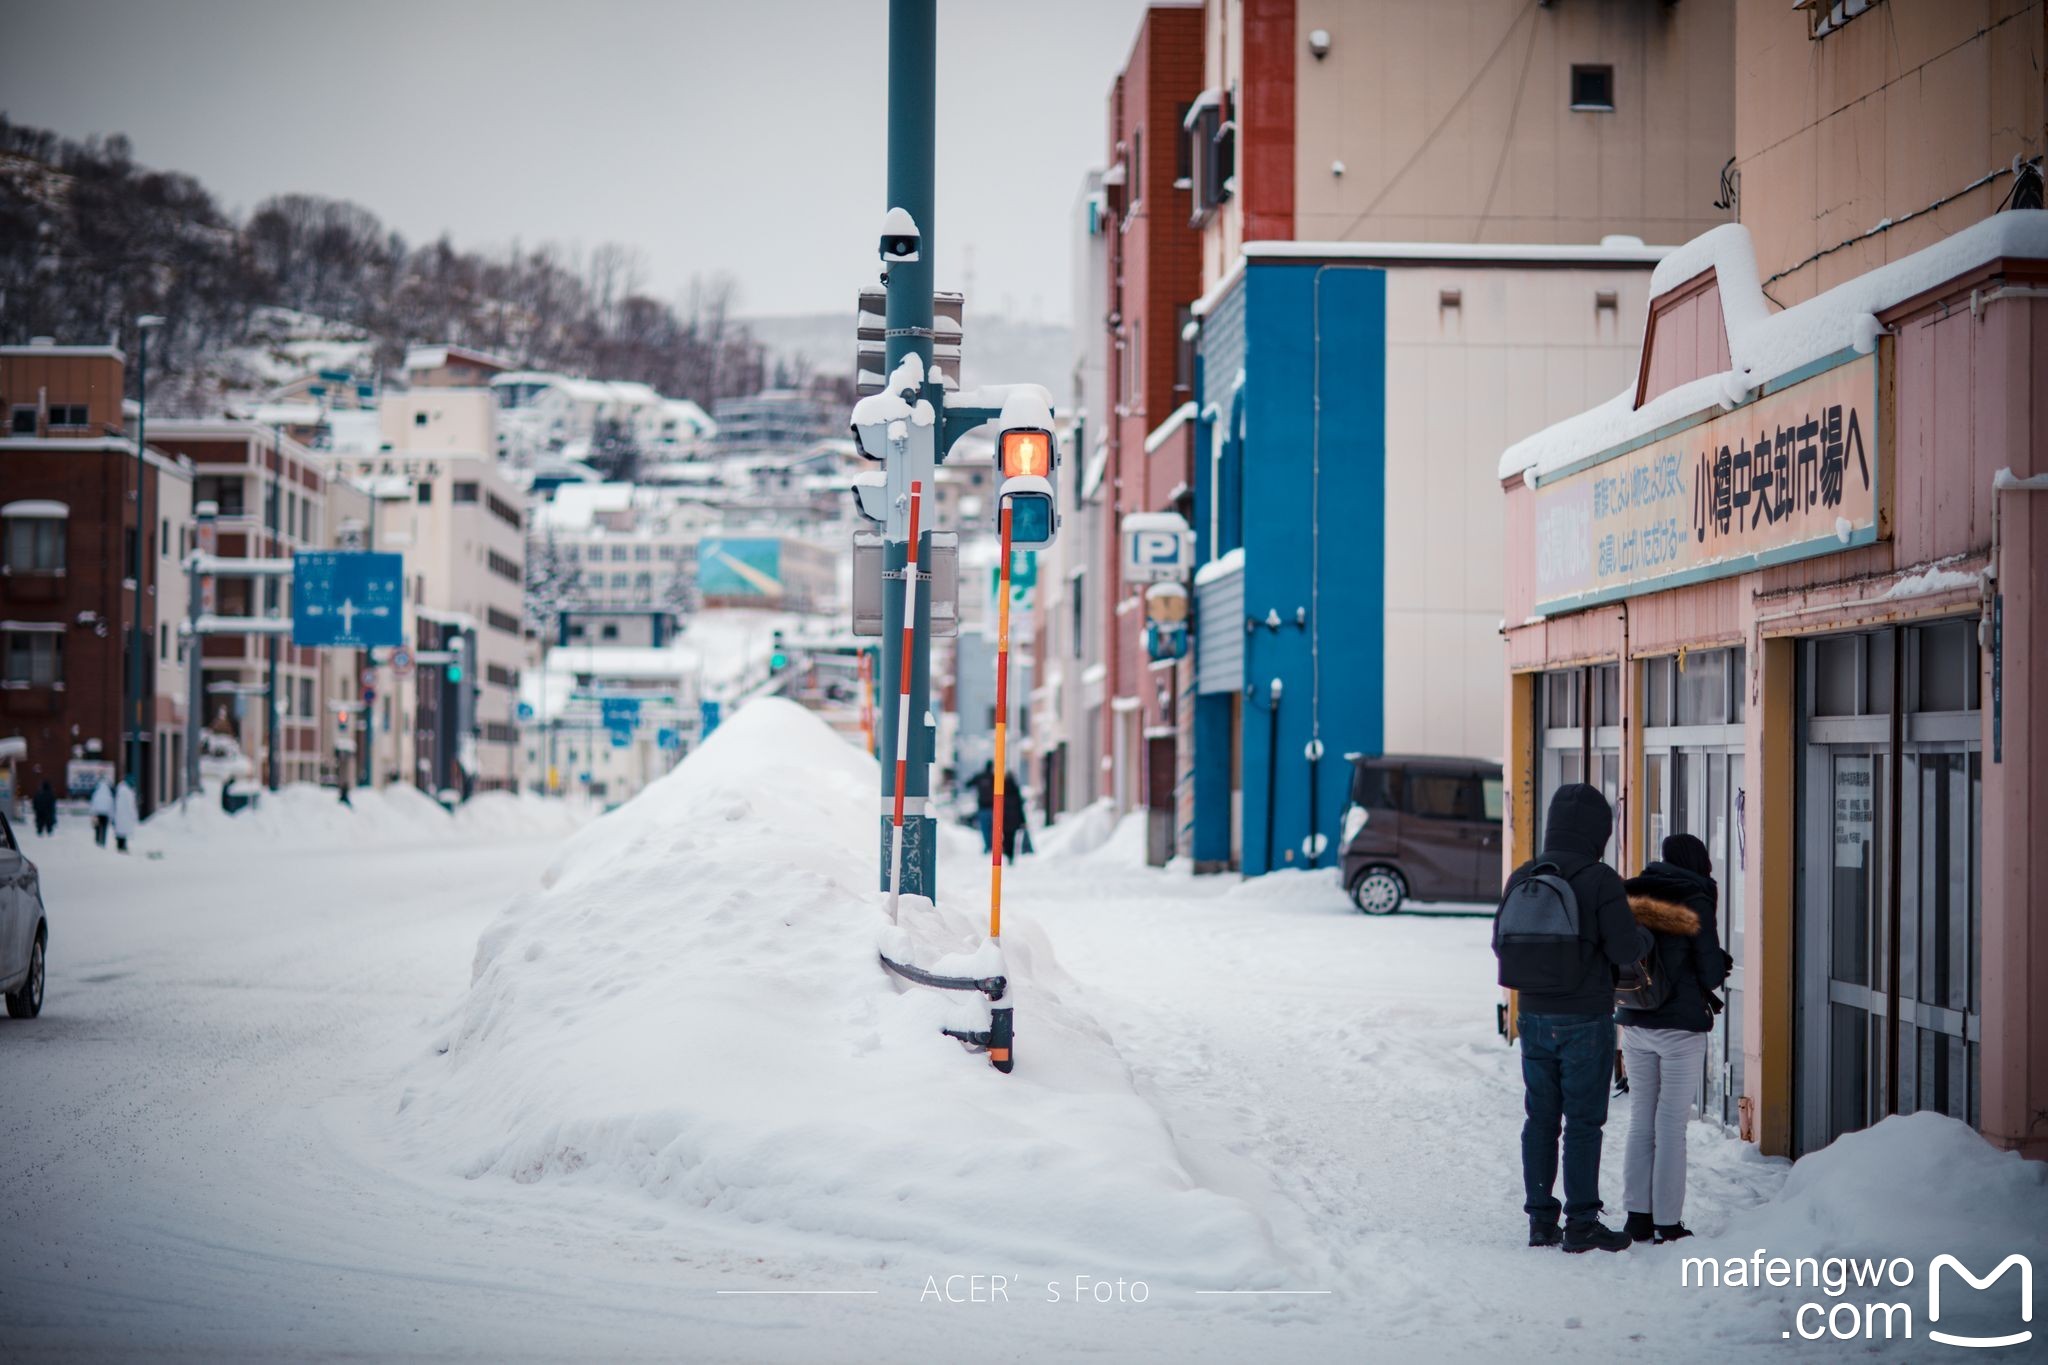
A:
x: 1790, y: 594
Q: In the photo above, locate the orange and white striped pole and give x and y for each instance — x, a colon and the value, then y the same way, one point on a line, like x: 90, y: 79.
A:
x: 867, y: 703
x: 1002, y: 1015
x: 903, y: 698
x: 1001, y: 818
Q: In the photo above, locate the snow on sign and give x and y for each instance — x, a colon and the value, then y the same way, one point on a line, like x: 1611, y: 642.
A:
x: 1789, y: 474
x: 347, y: 599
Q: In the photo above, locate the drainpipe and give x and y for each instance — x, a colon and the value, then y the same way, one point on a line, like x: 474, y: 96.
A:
x: 1272, y: 764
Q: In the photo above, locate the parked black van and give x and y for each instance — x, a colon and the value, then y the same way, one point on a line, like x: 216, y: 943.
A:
x: 1421, y: 828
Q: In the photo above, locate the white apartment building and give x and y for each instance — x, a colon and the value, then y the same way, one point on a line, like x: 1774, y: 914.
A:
x: 542, y: 413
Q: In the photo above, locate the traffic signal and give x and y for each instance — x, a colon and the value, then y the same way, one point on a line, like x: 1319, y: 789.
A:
x: 779, y: 659
x: 455, y: 647
x: 1025, y: 459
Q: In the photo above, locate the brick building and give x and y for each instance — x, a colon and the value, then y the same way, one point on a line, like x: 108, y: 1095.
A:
x: 68, y: 575
x: 1154, y: 274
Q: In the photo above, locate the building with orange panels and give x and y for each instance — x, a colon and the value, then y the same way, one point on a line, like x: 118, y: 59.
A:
x: 1789, y: 591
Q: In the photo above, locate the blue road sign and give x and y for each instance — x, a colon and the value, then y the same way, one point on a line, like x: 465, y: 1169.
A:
x: 620, y: 713
x: 707, y: 717
x: 347, y: 599
x: 622, y: 739
x: 668, y: 739
x: 525, y: 712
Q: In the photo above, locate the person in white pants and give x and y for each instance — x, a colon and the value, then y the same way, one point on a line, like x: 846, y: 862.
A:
x: 1665, y: 1047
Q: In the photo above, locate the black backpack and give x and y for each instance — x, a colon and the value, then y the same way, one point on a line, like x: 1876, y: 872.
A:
x: 1643, y: 985
x: 1537, y: 936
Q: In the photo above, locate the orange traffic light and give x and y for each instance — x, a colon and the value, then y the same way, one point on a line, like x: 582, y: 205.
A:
x: 1026, y: 454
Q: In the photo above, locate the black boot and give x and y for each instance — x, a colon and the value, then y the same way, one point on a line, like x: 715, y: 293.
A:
x: 1671, y: 1232
x: 1639, y: 1227
x: 1544, y: 1232
x: 1590, y: 1234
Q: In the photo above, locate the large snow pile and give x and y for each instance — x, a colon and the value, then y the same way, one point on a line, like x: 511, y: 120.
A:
x: 689, y: 1011
x: 1914, y: 1186
x: 304, y: 815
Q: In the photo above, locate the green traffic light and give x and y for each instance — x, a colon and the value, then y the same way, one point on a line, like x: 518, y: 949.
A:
x: 778, y: 660
x: 455, y: 673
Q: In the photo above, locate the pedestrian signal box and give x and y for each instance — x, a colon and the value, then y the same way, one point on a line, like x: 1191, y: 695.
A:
x: 1025, y: 460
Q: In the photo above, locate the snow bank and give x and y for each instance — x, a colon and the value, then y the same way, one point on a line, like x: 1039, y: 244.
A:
x: 1915, y: 1186
x: 689, y: 1012
x: 303, y: 815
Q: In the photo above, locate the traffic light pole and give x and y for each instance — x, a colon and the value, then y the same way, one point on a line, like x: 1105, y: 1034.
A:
x: 913, y: 75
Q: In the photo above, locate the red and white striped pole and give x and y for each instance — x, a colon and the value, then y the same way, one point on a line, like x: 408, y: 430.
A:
x: 903, y: 699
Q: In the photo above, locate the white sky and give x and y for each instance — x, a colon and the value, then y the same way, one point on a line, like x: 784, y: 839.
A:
x: 745, y: 136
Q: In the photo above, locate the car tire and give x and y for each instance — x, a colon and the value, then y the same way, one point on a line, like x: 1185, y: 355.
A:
x: 27, y: 1002
x: 1379, y: 891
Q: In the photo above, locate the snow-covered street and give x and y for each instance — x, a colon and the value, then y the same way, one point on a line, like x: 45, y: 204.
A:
x: 267, y: 1115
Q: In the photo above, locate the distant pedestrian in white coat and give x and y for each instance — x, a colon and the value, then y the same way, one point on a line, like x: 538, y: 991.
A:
x: 102, y: 811
x: 126, y: 817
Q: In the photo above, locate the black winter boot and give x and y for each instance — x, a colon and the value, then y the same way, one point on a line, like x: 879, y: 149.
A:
x: 1544, y: 1232
x: 1592, y: 1235
x: 1639, y: 1227
x: 1671, y: 1232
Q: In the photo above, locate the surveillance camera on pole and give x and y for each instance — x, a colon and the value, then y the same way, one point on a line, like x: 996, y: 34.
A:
x: 900, y: 238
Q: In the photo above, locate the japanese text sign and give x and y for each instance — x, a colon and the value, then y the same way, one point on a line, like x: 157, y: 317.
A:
x: 1789, y: 475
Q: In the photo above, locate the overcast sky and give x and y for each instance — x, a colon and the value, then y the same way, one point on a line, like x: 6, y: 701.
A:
x: 741, y: 135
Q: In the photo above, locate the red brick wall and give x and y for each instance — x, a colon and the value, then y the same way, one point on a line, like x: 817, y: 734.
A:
x: 1155, y: 267
x: 1265, y: 140
x: 94, y: 485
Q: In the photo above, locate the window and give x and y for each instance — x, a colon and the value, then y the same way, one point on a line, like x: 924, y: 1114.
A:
x: 668, y: 552
x: 1376, y: 788
x: 643, y: 553
x: 425, y: 492
x: 1441, y: 796
x: 225, y: 495
x: 23, y: 420
x: 1211, y: 143
x: 1137, y: 166
x: 608, y: 633
x: 1078, y: 593
x: 1593, y: 88
x: 1493, y: 792
x: 618, y: 554
x: 1183, y: 154
x: 502, y: 510
x: 35, y: 539
x: 306, y: 698
x: 503, y: 567
x: 462, y: 491
x: 502, y: 620
x: 32, y: 658
x: 419, y: 419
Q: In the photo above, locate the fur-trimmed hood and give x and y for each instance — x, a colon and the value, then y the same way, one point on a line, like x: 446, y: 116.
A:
x: 1660, y: 916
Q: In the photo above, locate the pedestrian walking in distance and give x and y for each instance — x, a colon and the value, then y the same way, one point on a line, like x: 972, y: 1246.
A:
x: 1013, y: 816
x: 1675, y: 898
x: 126, y: 817
x: 44, y: 803
x: 985, y: 805
x: 102, y: 811
x: 1562, y: 932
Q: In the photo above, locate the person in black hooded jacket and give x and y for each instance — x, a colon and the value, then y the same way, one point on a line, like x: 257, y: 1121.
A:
x: 1567, y: 1039
x: 1666, y: 1047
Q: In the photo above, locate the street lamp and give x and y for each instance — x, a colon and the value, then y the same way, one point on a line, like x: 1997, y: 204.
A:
x: 137, y: 647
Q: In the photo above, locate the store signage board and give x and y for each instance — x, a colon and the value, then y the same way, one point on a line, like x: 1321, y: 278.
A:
x: 1791, y: 474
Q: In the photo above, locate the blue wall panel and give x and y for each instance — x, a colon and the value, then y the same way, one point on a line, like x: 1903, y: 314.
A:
x: 1313, y: 482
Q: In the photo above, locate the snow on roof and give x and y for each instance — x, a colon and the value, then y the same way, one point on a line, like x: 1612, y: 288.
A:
x: 1209, y: 99
x: 1613, y: 250
x: 1115, y: 175
x: 1765, y: 346
x: 1154, y: 521
x: 1221, y: 567
x: 36, y: 507
x: 434, y: 357
x: 1163, y: 433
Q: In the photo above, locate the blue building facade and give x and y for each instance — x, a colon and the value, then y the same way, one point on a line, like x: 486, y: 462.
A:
x: 1289, y: 603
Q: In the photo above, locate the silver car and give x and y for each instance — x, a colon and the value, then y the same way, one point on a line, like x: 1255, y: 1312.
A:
x: 23, y: 930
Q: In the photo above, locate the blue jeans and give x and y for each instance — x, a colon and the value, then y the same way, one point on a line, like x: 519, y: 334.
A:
x: 1567, y: 1067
